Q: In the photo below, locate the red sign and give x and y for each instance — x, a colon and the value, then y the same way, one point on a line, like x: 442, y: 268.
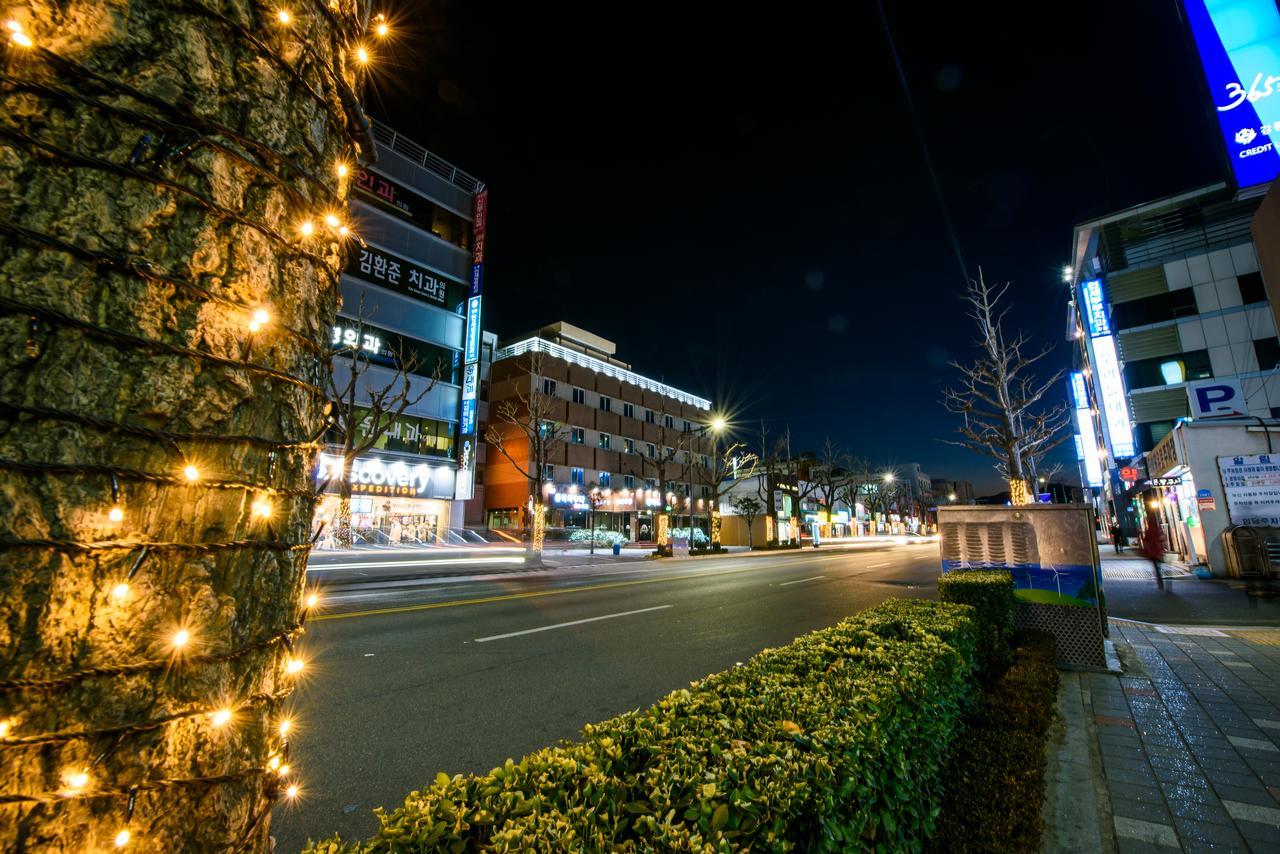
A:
x: 481, y: 214
x: 1128, y: 473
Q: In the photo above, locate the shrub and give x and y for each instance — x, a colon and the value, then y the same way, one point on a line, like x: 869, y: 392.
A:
x: 602, y: 538
x: 995, y: 780
x: 834, y: 742
x: 990, y: 592
x: 700, y: 537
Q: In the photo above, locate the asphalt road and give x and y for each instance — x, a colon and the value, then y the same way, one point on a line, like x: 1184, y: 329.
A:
x: 412, y: 675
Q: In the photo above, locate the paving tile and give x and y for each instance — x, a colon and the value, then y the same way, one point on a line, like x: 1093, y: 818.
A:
x: 1155, y: 833
x: 1200, y: 811
x: 1204, y: 831
x: 1245, y: 795
x: 1256, y: 833
x: 1253, y: 744
x: 1250, y: 812
x: 1175, y: 792
x: 1135, y: 792
x: 1144, y: 777
x: 1145, y: 810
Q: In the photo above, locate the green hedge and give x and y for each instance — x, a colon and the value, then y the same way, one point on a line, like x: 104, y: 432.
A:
x: 834, y: 742
x: 990, y: 592
x: 995, y: 782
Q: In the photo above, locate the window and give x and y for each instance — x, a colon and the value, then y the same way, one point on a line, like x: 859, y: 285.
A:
x: 1268, y: 350
x: 652, y: 450
x: 549, y: 387
x: 579, y: 396
x: 606, y: 479
x: 1251, y: 288
x: 606, y: 404
x: 406, y: 434
x: 687, y: 426
x: 548, y: 473
x: 576, y: 475
x: 628, y: 446
x: 1153, y: 309
x: 668, y: 421
x: 704, y: 491
x: 578, y: 436
x: 629, y: 410
x: 605, y: 441
x: 1147, y: 436
x: 546, y: 428
x: 650, y: 483
x: 1168, y: 370
x: 649, y: 417
x: 628, y: 481
x: 703, y: 461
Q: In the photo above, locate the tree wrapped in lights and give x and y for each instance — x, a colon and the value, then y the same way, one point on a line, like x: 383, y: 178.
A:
x: 172, y: 199
x: 1000, y: 399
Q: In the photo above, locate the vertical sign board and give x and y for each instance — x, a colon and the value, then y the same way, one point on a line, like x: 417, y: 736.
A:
x: 1106, y: 366
x: 1088, y: 437
x: 467, y: 427
x: 1239, y: 46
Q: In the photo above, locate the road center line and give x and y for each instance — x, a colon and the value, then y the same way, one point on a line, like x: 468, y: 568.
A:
x: 801, y: 580
x: 570, y: 623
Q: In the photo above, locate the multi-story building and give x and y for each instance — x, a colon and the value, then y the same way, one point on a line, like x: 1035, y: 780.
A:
x: 952, y: 491
x: 1166, y: 295
x: 410, y: 304
x: 626, y: 447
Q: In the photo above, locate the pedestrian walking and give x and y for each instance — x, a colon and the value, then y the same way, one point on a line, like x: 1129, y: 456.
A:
x: 1117, y: 538
x: 1153, y: 546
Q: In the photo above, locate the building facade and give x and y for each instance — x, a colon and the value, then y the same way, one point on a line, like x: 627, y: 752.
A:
x: 624, y: 449
x: 1167, y: 299
x: 410, y: 307
x: 946, y: 492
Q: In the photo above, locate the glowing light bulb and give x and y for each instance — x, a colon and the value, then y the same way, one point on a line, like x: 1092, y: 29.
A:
x: 273, y: 763
x: 341, y: 169
x: 291, y: 792
x: 262, y: 508
x: 122, y: 838
x: 294, y: 665
x: 13, y: 26
x: 343, y: 231
x: 6, y: 726
x: 261, y: 316
x: 362, y: 55
x: 307, y: 228
x: 191, y: 473
x: 284, y: 17
x: 382, y: 29
x: 332, y: 221
x: 284, y: 771
x: 75, y: 781
x: 120, y: 592
x: 116, y: 514
x: 181, y: 638
x: 20, y: 39
x: 285, y: 726
x: 313, y: 600
x: 222, y: 717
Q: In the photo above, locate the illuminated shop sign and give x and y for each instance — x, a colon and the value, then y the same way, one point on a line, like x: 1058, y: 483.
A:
x: 1094, y: 306
x: 385, y: 268
x: 1078, y: 391
x: 1239, y: 46
x: 1091, y: 449
x: 467, y: 424
x: 472, y: 351
x: 375, y: 476
x: 1079, y: 447
x: 1115, y: 408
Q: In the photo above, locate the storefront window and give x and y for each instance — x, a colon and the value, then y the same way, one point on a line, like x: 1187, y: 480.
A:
x: 385, y: 521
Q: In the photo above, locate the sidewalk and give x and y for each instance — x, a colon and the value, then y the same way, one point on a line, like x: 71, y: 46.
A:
x: 1129, y: 585
x: 1183, y: 748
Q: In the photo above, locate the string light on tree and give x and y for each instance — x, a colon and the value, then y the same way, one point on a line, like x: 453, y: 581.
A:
x: 180, y: 639
x: 17, y: 35
x: 307, y: 228
x: 74, y: 781
x: 116, y: 513
x: 120, y: 592
x: 294, y: 665
x: 362, y: 55
x: 380, y: 26
x: 284, y: 17
x: 262, y: 508
x: 191, y: 473
x: 221, y: 717
x: 122, y: 838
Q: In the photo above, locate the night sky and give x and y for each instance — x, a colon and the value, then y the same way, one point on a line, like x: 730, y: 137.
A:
x: 737, y: 196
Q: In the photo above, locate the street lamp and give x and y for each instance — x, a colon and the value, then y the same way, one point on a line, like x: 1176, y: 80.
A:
x: 952, y: 498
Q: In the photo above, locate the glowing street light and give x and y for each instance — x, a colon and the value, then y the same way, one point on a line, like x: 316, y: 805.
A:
x: 718, y: 424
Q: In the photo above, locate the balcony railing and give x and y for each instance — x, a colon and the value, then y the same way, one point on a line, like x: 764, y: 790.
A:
x: 419, y: 155
x: 573, y: 357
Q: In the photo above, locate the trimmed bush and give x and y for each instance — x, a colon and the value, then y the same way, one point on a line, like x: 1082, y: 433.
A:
x: 990, y: 593
x: 602, y: 538
x: 995, y: 781
x: 834, y: 742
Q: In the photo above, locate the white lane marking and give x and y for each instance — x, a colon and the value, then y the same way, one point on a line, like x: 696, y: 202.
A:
x: 570, y: 623
x: 876, y: 565
x: 392, y: 564
x: 801, y: 580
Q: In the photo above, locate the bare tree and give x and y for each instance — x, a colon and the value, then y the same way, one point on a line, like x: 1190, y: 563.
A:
x: 749, y: 509
x: 999, y: 396
x: 363, y: 409
x: 829, y: 474
x: 718, y: 472
x: 522, y: 428
x: 662, y: 462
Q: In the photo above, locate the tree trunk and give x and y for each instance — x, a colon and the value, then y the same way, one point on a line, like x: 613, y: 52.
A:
x: 156, y: 160
x: 343, y: 534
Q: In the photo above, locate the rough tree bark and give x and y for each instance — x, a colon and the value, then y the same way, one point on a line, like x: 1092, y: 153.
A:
x: 149, y: 150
